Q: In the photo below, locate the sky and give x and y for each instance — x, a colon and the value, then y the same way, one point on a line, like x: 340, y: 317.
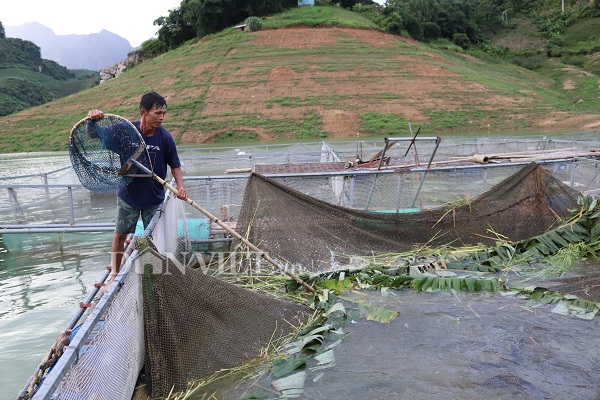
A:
x: 130, y: 19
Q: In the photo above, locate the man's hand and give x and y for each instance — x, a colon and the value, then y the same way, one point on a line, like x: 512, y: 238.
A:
x: 90, y: 124
x: 182, y: 194
x: 95, y: 114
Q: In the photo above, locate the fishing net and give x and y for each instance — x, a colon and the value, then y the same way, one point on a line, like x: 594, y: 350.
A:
x: 314, y: 235
x: 109, y: 361
x: 102, y: 151
x: 196, y: 324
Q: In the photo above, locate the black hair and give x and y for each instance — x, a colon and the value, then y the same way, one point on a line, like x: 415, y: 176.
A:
x: 149, y: 100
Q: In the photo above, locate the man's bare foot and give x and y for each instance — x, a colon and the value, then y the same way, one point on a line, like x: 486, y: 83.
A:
x: 108, y: 282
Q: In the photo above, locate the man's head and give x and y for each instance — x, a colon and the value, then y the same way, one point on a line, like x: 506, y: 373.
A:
x: 151, y: 100
x: 153, y: 108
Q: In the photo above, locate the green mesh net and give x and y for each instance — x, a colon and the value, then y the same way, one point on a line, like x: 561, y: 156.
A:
x: 196, y: 324
x: 317, y: 236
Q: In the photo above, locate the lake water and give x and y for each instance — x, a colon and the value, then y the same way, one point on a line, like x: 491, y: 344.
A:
x: 446, y: 345
x: 47, y: 275
x: 40, y: 295
x: 465, y: 346
x: 42, y: 284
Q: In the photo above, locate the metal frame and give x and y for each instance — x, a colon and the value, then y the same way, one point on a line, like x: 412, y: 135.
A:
x: 412, y: 141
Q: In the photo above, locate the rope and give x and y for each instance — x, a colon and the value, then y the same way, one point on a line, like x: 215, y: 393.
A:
x: 57, y: 349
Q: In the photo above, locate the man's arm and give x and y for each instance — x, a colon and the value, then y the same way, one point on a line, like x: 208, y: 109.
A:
x: 178, y: 176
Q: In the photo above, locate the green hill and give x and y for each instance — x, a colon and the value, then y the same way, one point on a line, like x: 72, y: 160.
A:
x: 26, y: 79
x: 339, y: 77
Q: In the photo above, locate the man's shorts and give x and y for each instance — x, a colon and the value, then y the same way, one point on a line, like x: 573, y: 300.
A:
x: 127, y: 217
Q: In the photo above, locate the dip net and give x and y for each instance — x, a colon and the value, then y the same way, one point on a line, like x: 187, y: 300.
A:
x: 101, y: 152
x: 316, y: 236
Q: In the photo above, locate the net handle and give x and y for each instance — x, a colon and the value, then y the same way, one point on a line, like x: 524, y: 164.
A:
x: 228, y: 229
x: 81, y: 121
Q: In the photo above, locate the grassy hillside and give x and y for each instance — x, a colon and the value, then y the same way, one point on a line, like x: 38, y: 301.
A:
x: 26, y: 79
x: 58, y: 87
x: 318, y: 17
x: 299, y: 81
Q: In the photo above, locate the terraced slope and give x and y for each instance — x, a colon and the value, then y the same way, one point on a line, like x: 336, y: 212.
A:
x: 300, y: 83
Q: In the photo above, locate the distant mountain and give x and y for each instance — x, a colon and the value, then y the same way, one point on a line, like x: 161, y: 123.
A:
x: 92, y: 51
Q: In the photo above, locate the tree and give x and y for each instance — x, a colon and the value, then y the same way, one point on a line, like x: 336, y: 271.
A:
x: 462, y: 40
x: 152, y: 48
x: 198, y: 18
x: 173, y: 30
x: 2, y: 31
x: 413, y: 27
x: 253, y: 24
x: 18, y: 94
x: 392, y: 23
x: 431, y: 30
x: 349, y: 4
x: 19, y: 53
x: 209, y: 16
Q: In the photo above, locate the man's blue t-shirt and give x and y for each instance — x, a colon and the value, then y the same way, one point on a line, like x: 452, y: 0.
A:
x: 143, y: 193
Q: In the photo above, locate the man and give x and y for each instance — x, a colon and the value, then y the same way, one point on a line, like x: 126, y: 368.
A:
x: 143, y: 196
